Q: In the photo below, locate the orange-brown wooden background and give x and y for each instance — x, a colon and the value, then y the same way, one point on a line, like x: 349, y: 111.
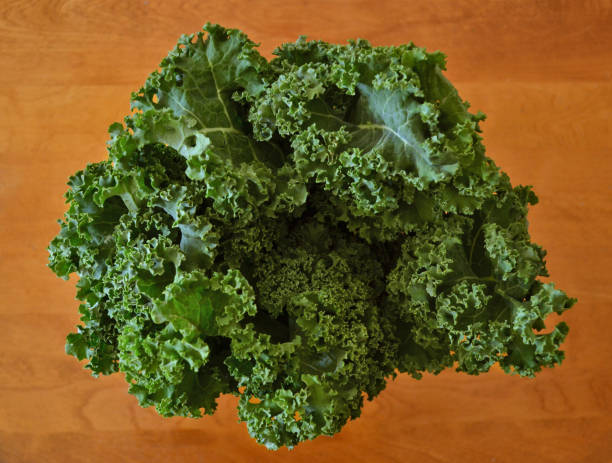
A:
x: 541, y: 70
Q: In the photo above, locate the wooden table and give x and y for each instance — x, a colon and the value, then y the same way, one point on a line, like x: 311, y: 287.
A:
x: 542, y: 71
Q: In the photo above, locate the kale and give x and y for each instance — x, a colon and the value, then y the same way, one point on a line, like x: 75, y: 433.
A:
x: 297, y: 231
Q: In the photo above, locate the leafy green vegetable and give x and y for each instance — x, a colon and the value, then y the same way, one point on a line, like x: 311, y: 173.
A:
x: 295, y: 232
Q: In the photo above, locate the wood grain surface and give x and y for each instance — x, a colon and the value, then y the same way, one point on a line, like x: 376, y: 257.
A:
x: 541, y: 70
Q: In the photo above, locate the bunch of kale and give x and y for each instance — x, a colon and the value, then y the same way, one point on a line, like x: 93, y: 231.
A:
x: 295, y: 232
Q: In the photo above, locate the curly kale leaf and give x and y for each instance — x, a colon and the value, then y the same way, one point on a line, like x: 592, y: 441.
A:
x: 296, y: 232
